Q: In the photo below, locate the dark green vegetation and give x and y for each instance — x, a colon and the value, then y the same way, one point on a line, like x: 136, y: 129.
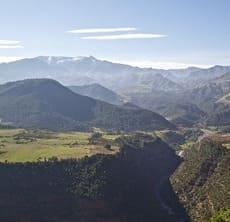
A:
x: 171, y: 137
x: 179, y: 139
x: 172, y: 105
x: 220, y: 116
x: 127, y: 186
x: 45, y: 103
x: 202, y: 181
x: 99, y: 92
x: 221, y: 216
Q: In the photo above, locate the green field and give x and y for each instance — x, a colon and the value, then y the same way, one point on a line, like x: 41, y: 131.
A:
x: 187, y: 144
x: 19, y: 145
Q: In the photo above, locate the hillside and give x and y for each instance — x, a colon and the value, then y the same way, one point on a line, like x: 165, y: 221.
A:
x: 147, y: 82
x: 219, y: 116
x: 225, y: 99
x: 222, y: 215
x: 172, y: 105
x: 183, y: 114
x: 202, y: 180
x: 89, y: 190
x: 99, y: 92
x: 45, y: 103
x: 203, y: 75
x: 219, y: 110
x: 205, y: 102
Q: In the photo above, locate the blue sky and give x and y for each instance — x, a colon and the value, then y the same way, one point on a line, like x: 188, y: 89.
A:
x: 167, y: 33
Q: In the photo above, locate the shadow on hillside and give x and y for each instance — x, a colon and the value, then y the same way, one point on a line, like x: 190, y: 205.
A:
x: 132, y: 186
x: 177, y: 211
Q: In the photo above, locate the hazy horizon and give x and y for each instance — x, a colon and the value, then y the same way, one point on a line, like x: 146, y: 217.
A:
x: 139, y: 64
x: 157, y: 34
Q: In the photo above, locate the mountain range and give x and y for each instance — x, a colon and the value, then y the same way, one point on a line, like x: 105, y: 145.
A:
x: 115, y: 76
x: 184, y: 96
x: 189, y: 109
x: 45, y: 103
x: 200, y: 103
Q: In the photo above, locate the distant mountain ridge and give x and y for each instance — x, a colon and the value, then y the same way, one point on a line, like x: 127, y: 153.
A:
x: 99, y: 92
x: 115, y: 76
x: 45, y: 103
x: 200, y: 103
x: 185, y: 96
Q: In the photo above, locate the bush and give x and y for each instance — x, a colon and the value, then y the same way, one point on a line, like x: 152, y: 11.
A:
x: 107, y: 146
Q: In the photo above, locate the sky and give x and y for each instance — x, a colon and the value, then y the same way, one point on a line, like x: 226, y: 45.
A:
x: 146, y: 33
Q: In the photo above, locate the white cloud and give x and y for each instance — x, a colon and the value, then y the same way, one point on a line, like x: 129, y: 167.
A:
x: 102, y: 30
x: 124, y: 36
x: 10, y: 44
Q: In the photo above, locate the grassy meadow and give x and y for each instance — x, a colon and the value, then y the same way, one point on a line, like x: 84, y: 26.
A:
x: 20, y: 145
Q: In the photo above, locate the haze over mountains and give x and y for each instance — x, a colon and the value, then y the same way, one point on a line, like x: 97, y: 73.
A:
x: 115, y: 111
x: 184, y: 96
x: 139, y: 109
x: 45, y: 103
x: 119, y: 77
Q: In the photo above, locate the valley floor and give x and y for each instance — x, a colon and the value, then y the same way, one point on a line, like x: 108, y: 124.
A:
x: 20, y: 145
x: 46, y: 157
